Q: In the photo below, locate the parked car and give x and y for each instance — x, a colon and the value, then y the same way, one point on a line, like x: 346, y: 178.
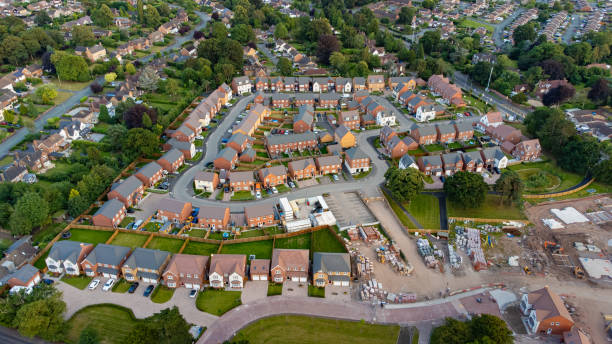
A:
x: 108, y: 285
x: 193, y: 293
x: 274, y: 190
x: 335, y: 176
x: 48, y: 281
x: 291, y: 184
x: 148, y: 291
x: 258, y: 194
x: 133, y: 287
x: 94, y: 284
x: 209, y: 164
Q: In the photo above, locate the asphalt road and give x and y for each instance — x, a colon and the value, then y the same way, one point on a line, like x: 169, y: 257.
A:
x: 64, y: 107
x: 10, y: 336
x: 498, y: 33
x: 570, y: 30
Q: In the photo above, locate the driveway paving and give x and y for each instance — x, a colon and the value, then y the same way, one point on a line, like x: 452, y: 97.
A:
x: 253, y: 291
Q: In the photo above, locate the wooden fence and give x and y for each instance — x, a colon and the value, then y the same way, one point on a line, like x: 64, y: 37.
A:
x: 559, y: 194
x: 476, y: 219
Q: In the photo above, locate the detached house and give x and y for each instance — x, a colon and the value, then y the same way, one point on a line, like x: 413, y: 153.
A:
x: 494, y: 157
x: 452, y: 162
x: 424, y: 135
x: 545, y: 312
x: 239, y: 142
x: 289, y: 265
x: 105, y: 260
x: 110, y: 214
x: 26, y: 276
x: 186, y: 270
x: 66, y: 256
x: 272, y: 176
x: 527, y: 150
x: 242, y: 181
x: 241, y: 85
x: 227, y: 270
x: 184, y: 133
x: 503, y: 133
x: 376, y: 83
x: 302, y: 169
x: 407, y: 161
x: 356, y: 161
x: 472, y: 161
x: 206, y: 181
x: 145, y: 264
x: 304, y: 119
x: 349, y: 119
x: 150, y: 174
x: 491, y: 119
x: 129, y: 191
x: 172, y: 160
x: 226, y: 159
x: 214, y: 217
x: 169, y: 209
x: 331, y: 268
x: 430, y: 165
x: 259, y: 215
x: 259, y: 269
x: 95, y: 53
x: 396, y: 147
x: 344, y: 137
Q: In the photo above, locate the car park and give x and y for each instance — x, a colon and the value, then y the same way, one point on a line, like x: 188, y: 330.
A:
x: 148, y: 291
x: 108, y: 285
x: 94, y: 284
x: 193, y: 293
x: 133, y: 287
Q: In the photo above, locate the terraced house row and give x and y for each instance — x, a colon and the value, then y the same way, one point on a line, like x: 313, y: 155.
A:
x: 450, y: 163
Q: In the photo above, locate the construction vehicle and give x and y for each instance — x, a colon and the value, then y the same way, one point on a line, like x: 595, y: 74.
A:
x: 527, y: 270
x: 553, y: 247
x: 578, y: 272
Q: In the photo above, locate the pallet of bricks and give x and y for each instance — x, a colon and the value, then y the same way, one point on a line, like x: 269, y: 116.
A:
x: 469, y: 240
x: 372, y: 290
x: 389, y: 253
x: 365, y: 269
x: 430, y: 254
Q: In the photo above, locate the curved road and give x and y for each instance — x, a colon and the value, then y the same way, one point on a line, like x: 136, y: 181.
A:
x: 75, y: 99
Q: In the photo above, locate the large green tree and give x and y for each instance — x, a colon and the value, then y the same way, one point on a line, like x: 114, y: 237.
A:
x: 481, y: 329
x: 404, y: 184
x: 466, y: 189
x: 509, y: 186
x: 141, y: 141
x: 42, y: 318
x: 31, y: 210
x: 167, y: 327
x: 102, y: 16
x: 70, y: 67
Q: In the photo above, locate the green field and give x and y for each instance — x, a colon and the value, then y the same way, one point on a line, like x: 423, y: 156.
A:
x: 261, y: 249
x: 474, y: 25
x: 165, y: 244
x: 130, y: 239
x: 311, y: 330
x: 425, y: 210
x: 558, y: 179
x: 325, y: 241
x: 301, y: 241
x: 491, y: 209
x: 201, y: 248
x: 89, y: 236
x: 113, y: 323
x: 217, y: 302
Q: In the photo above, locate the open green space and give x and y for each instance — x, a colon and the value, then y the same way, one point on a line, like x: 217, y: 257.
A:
x: 6, y: 160
x: 325, y: 241
x: 491, y: 209
x: 130, y: 239
x: 261, y: 249
x: 425, y: 210
x: 162, y: 294
x: 165, y: 244
x: 311, y: 330
x: 201, y: 248
x: 40, y: 262
x: 557, y: 179
x: 113, y: 323
x: 121, y: 286
x: 89, y: 236
x: 301, y: 241
x: 216, y: 235
x: 80, y: 282
x: 474, y: 25
x: 217, y: 302
x: 401, y: 215
x: 242, y: 196
x: 316, y: 291
x: 275, y: 289
x: 69, y: 85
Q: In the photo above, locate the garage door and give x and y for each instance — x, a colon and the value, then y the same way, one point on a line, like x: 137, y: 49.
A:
x: 153, y: 281
x: 264, y: 278
x: 337, y: 283
x: 302, y: 279
x: 295, y: 279
x: 345, y: 283
x: 188, y: 285
x: 196, y: 286
x: 113, y: 276
x: 105, y: 275
x: 255, y: 277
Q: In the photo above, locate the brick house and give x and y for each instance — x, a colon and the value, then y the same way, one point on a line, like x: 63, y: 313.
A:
x: 172, y: 160
x: 305, y: 99
x: 452, y: 162
x: 289, y: 265
x: 262, y: 84
x: 145, y: 264
x: 169, y: 209
x: 424, y: 135
x: 344, y: 137
x: 253, y: 119
x: 302, y: 169
x: 26, y: 276
x: 150, y: 174
x: 110, y: 214
x: 356, y: 161
x: 276, y: 84
x: 494, y: 157
x: 249, y: 155
x: 446, y: 133
x: 105, y: 260
x: 491, y: 119
x: 242, y: 181
x: 319, y: 85
x: 527, y: 150
x: 259, y: 215
x: 187, y: 148
x: 376, y: 83
x: 396, y: 147
x: 239, y: 142
x: 328, y: 164
x: 328, y: 100
x: 277, y: 144
x: 259, y: 269
x: 226, y: 159
x: 503, y: 133
x: 449, y: 92
x: 66, y: 256
x: 214, y: 217
x: 227, y: 270
x: 430, y: 165
x: 472, y: 161
x: 304, y: 119
x: 241, y: 85
x: 545, y: 313
x: 331, y: 268
x: 281, y: 100
x: 129, y: 191
x: 349, y: 119
x: 406, y: 80
x: 272, y: 176
x: 183, y: 133
x: 464, y: 130
x: 206, y: 181
x: 303, y: 84
x: 95, y: 53
x: 344, y: 85
x: 186, y: 270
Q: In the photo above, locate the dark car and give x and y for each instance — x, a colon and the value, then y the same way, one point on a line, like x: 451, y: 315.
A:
x: 209, y: 164
x: 148, y: 291
x: 133, y: 288
x: 48, y: 281
x: 226, y: 189
x: 66, y: 235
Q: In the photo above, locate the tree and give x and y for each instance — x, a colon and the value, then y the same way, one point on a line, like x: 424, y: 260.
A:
x: 481, y: 329
x: 134, y: 116
x: 603, y: 171
x: 404, y: 184
x: 524, y: 32
x: 96, y: 87
x: 70, y: 67
x: 554, y: 69
x: 167, y: 327
x: 218, y: 30
x: 46, y: 93
x: 42, y: 318
x: 146, y: 121
x: 152, y: 18
x: 31, y: 210
x: 489, y: 326
x: 558, y: 95
x: 104, y: 116
x: 327, y: 45
x: 280, y: 32
x: 42, y: 18
x: 115, y: 135
x: 198, y: 34
x: 129, y: 68
x: 110, y: 77
x: 406, y: 15
x: 452, y: 332
x: 509, y: 186
x: 466, y: 189
x: 102, y: 16
x: 83, y: 35
x: 243, y: 33
x: 89, y: 335
x: 600, y: 92
x: 284, y: 66
x: 148, y: 79
x: 172, y: 88
x: 140, y: 10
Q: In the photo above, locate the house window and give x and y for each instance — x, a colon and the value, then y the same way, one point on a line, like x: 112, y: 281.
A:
x: 557, y: 324
x: 188, y: 275
x: 182, y: 275
x: 195, y: 275
x: 170, y: 277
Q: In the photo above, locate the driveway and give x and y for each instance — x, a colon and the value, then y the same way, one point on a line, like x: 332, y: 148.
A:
x: 295, y: 289
x: 253, y: 291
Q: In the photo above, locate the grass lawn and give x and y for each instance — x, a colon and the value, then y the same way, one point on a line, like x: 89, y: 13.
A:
x: 121, y: 287
x: 491, y: 209
x: 69, y: 85
x: 201, y: 248
x: 301, y: 241
x: 565, y: 179
x: 162, y: 294
x: 113, y: 323
x: 425, y: 210
x: 242, y: 196
x: 126, y: 221
x: 217, y: 302
x: 312, y: 330
x: 434, y: 147
x: 62, y: 97
x: 6, y: 160
x: 165, y: 244
x: 40, y: 263
x: 216, y: 235
x: 416, y: 151
x: 273, y: 230
x: 282, y: 188
x: 325, y: 241
x: 220, y: 195
x: 362, y: 174
x: 261, y: 249
x: 152, y: 226
x: 274, y: 289
x: 196, y: 232
x: 316, y: 291
x: 130, y: 239
x: 89, y: 236
x: 80, y: 282
x: 404, y: 219
x: 251, y: 233
x: 454, y: 145
x: 47, y: 233
x: 474, y: 25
